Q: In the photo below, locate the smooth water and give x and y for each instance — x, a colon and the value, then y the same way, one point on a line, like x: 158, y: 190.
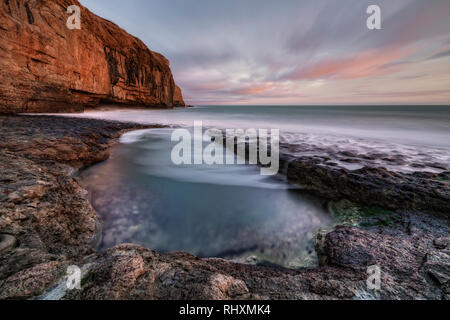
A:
x: 413, y: 125
x: 212, y: 211
x: 232, y: 211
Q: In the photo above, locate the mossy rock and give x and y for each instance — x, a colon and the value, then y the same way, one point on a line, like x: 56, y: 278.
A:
x: 87, y: 279
x: 440, y: 179
x: 345, y: 212
x: 349, y: 214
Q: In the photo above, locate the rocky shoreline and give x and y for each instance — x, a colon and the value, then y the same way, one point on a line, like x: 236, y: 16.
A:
x: 399, y: 222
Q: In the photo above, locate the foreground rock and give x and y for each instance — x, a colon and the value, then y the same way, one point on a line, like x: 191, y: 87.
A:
x: 374, y: 186
x: 47, y: 224
x: 367, y: 178
x: 45, y: 216
x: 370, y: 172
x: 47, y: 67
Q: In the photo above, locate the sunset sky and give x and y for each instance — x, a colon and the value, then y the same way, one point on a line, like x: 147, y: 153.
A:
x: 295, y: 52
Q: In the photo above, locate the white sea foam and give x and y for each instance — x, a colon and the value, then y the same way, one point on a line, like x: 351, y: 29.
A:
x: 133, y: 136
x: 154, y: 147
x: 415, y: 140
x: 370, y: 152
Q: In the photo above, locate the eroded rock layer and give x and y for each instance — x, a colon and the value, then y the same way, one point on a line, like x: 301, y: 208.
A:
x: 47, y: 67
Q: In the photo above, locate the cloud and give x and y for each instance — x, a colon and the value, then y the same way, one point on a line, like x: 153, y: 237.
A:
x: 252, y: 90
x: 365, y: 64
x: 440, y: 55
x: 203, y: 57
x: 399, y: 94
x: 295, y: 51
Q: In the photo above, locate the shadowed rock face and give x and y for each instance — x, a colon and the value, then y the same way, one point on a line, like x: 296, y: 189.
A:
x: 178, y: 97
x: 374, y: 186
x: 47, y: 67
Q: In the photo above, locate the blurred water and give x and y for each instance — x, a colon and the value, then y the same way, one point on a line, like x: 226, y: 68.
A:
x: 222, y: 210
x: 232, y: 211
x: 414, y: 125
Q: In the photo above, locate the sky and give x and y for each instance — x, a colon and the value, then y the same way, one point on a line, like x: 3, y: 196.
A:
x: 269, y: 52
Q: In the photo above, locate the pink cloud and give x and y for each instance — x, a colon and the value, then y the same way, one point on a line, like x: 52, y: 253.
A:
x: 252, y: 90
x: 369, y: 63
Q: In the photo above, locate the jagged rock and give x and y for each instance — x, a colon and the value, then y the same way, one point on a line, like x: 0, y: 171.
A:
x: 437, y: 264
x: 442, y: 243
x: 45, y: 211
x: 47, y: 67
x: 7, y: 242
x: 55, y: 226
x: 31, y: 282
x: 372, y: 186
x: 320, y: 247
x: 133, y: 272
x: 178, y: 97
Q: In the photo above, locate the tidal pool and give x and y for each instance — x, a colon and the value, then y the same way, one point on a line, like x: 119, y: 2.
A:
x: 228, y: 211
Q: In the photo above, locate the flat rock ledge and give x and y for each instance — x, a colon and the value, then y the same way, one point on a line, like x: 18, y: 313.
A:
x: 48, y: 224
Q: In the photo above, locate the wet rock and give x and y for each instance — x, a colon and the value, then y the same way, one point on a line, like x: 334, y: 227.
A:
x: 225, y: 287
x: 399, y: 258
x: 180, y: 275
x: 54, y: 225
x: 7, y: 242
x: 320, y: 247
x: 15, y: 197
x: 341, y: 252
x: 442, y: 243
x: 46, y: 215
x: 372, y: 186
x: 437, y: 265
x: 30, y: 282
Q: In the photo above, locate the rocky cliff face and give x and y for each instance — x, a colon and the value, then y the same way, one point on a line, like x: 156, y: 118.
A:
x: 47, y: 67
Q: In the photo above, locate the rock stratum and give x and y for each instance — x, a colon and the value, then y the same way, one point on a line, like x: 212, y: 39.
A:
x: 47, y: 67
x: 47, y: 224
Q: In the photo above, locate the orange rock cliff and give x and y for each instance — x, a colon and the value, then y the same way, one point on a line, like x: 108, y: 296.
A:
x: 47, y: 67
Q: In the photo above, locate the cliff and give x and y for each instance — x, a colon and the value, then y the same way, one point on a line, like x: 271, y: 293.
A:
x: 47, y: 67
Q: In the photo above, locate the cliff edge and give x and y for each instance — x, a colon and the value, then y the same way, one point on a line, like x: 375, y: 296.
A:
x: 47, y: 67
